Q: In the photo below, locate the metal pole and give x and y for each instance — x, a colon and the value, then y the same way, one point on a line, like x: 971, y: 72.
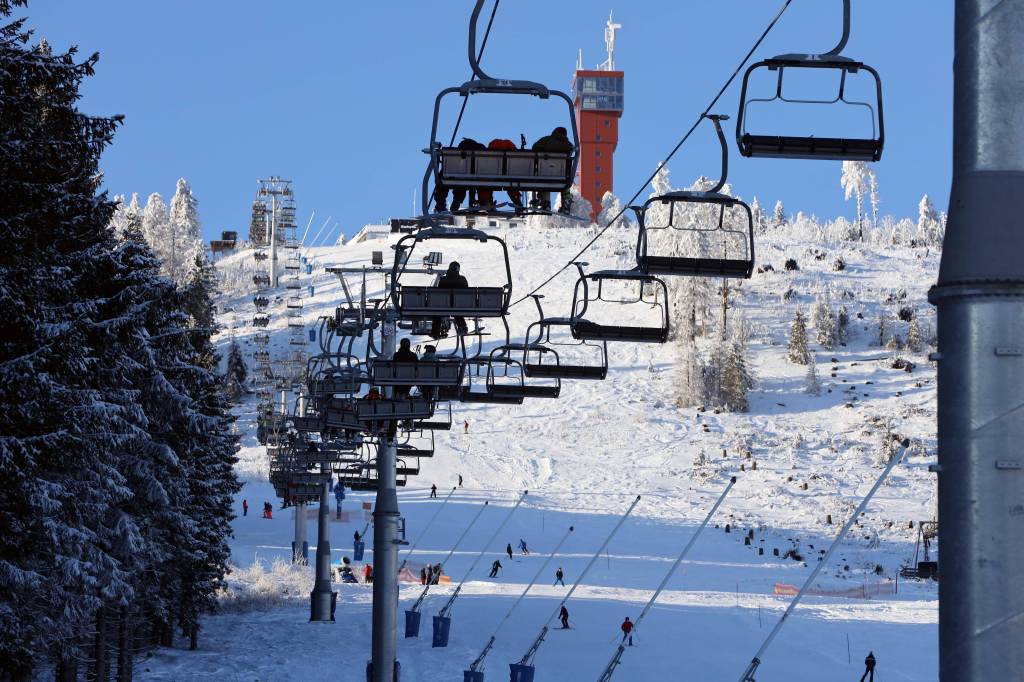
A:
x: 273, y: 238
x: 300, y: 545
x: 617, y: 658
x: 385, y: 544
x: 323, y: 594
x: 748, y: 674
x: 980, y: 301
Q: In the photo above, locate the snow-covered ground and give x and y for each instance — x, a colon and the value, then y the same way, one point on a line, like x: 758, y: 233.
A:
x: 585, y: 456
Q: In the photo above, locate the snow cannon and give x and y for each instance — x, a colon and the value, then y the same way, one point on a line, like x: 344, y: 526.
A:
x: 358, y: 548
x: 442, y: 627
x: 312, y: 335
x: 472, y: 676
x: 521, y: 672
x: 412, y: 624
x: 309, y: 269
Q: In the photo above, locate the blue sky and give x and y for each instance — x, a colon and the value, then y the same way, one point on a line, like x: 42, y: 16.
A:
x: 338, y: 96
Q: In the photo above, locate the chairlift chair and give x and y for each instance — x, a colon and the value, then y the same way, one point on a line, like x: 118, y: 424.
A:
x: 541, y: 358
x: 441, y: 421
x: 422, y: 373
x: 521, y: 169
x: 591, y: 288
x: 719, y: 249
x: 505, y: 377
x: 810, y: 147
x: 412, y: 301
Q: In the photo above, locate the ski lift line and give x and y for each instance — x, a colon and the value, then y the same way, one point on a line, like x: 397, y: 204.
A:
x: 748, y: 674
x: 606, y: 676
x: 451, y: 600
x: 426, y: 588
x: 308, y: 225
x: 532, y: 651
x: 679, y: 145
x: 408, y: 552
x: 318, y: 233
x: 494, y: 635
x: 479, y: 56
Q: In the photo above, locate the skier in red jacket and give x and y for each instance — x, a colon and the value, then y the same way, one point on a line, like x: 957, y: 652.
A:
x: 627, y: 631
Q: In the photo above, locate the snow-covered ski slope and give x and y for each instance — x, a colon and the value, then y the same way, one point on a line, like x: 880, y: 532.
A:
x: 586, y: 455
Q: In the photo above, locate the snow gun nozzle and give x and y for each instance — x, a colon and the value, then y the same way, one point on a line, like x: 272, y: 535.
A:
x: 732, y: 480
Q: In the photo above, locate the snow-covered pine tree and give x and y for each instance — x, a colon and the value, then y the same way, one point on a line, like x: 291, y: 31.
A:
x: 873, y: 191
x: 914, y: 339
x: 778, y: 215
x: 69, y: 413
x: 689, y: 382
x: 824, y: 325
x: 757, y: 213
x: 812, y: 386
x: 854, y: 181
x: 927, y: 222
x: 156, y: 226
x: 736, y: 377
x: 884, y: 326
x: 798, y: 352
x: 236, y: 367
x: 842, y: 325
x: 611, y: 207
x: 184, y: 241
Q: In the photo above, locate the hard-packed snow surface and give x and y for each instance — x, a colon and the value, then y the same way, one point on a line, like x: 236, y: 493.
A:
x: 586, y: 455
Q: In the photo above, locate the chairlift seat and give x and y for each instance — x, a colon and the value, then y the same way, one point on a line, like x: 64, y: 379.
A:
x: 525, y: 391
x: 560, y: 371
x: 392, y: 409
x: 306, y: 424
x: 406, y: 450
x: 697, y: 267
x: 490, y: 397
x: 585, y: 330
x: 422, y: 373
x: 429, y: 301
x: 522, y: 169
x: 821, y: 148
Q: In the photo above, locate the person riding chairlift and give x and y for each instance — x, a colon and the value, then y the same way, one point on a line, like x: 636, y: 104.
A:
x: 558, y: 142
x: 451, y: 279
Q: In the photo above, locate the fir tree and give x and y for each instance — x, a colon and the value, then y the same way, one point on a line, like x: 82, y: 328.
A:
x: 798, y: 352
x: 184, y: 243
x: 854, y: 181
x: 778, y: 215
x: 156, y: 226
x: 811, y: 384
x: 824, y: 325
x: 914, y: 339
x: 236, y: 367
x: 843, y: 325
x: 736, y: 378
x: 884, y: 325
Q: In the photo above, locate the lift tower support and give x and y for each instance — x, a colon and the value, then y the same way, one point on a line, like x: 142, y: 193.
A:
x: 980, y: 301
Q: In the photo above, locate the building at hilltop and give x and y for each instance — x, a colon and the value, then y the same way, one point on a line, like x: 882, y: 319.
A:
x: 598, y: 94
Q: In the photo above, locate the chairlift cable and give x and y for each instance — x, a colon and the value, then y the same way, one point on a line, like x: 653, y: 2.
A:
x: 479, y: 56
x: 626, y: 205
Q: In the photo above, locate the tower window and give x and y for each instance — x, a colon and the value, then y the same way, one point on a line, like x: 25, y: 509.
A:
x: 597, y: 137
x: 597, y: 153
x: 598, y: 169
x: 607, y: 123
x: 597, y: 184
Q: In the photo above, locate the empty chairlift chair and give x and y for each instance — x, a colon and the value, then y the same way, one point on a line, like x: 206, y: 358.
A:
x: 494, y: 169
x: 561, y: 356
x: 852, y: 148
x: 697, y: 233
x: 505, y: 377
x: 641, y: 291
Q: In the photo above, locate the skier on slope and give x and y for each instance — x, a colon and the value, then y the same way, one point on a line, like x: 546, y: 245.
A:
x: 522, y: 546
x: 559, y: 577
x: 563, y: 615
x: 869, y: 668
x: 495, y: 567
x: 627, y: 630
x: 245, y: 507
x: 433, y: 491
x: 508, y: 550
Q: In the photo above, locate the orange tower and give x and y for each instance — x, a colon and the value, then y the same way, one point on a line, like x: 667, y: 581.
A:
x: 599, y: 102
